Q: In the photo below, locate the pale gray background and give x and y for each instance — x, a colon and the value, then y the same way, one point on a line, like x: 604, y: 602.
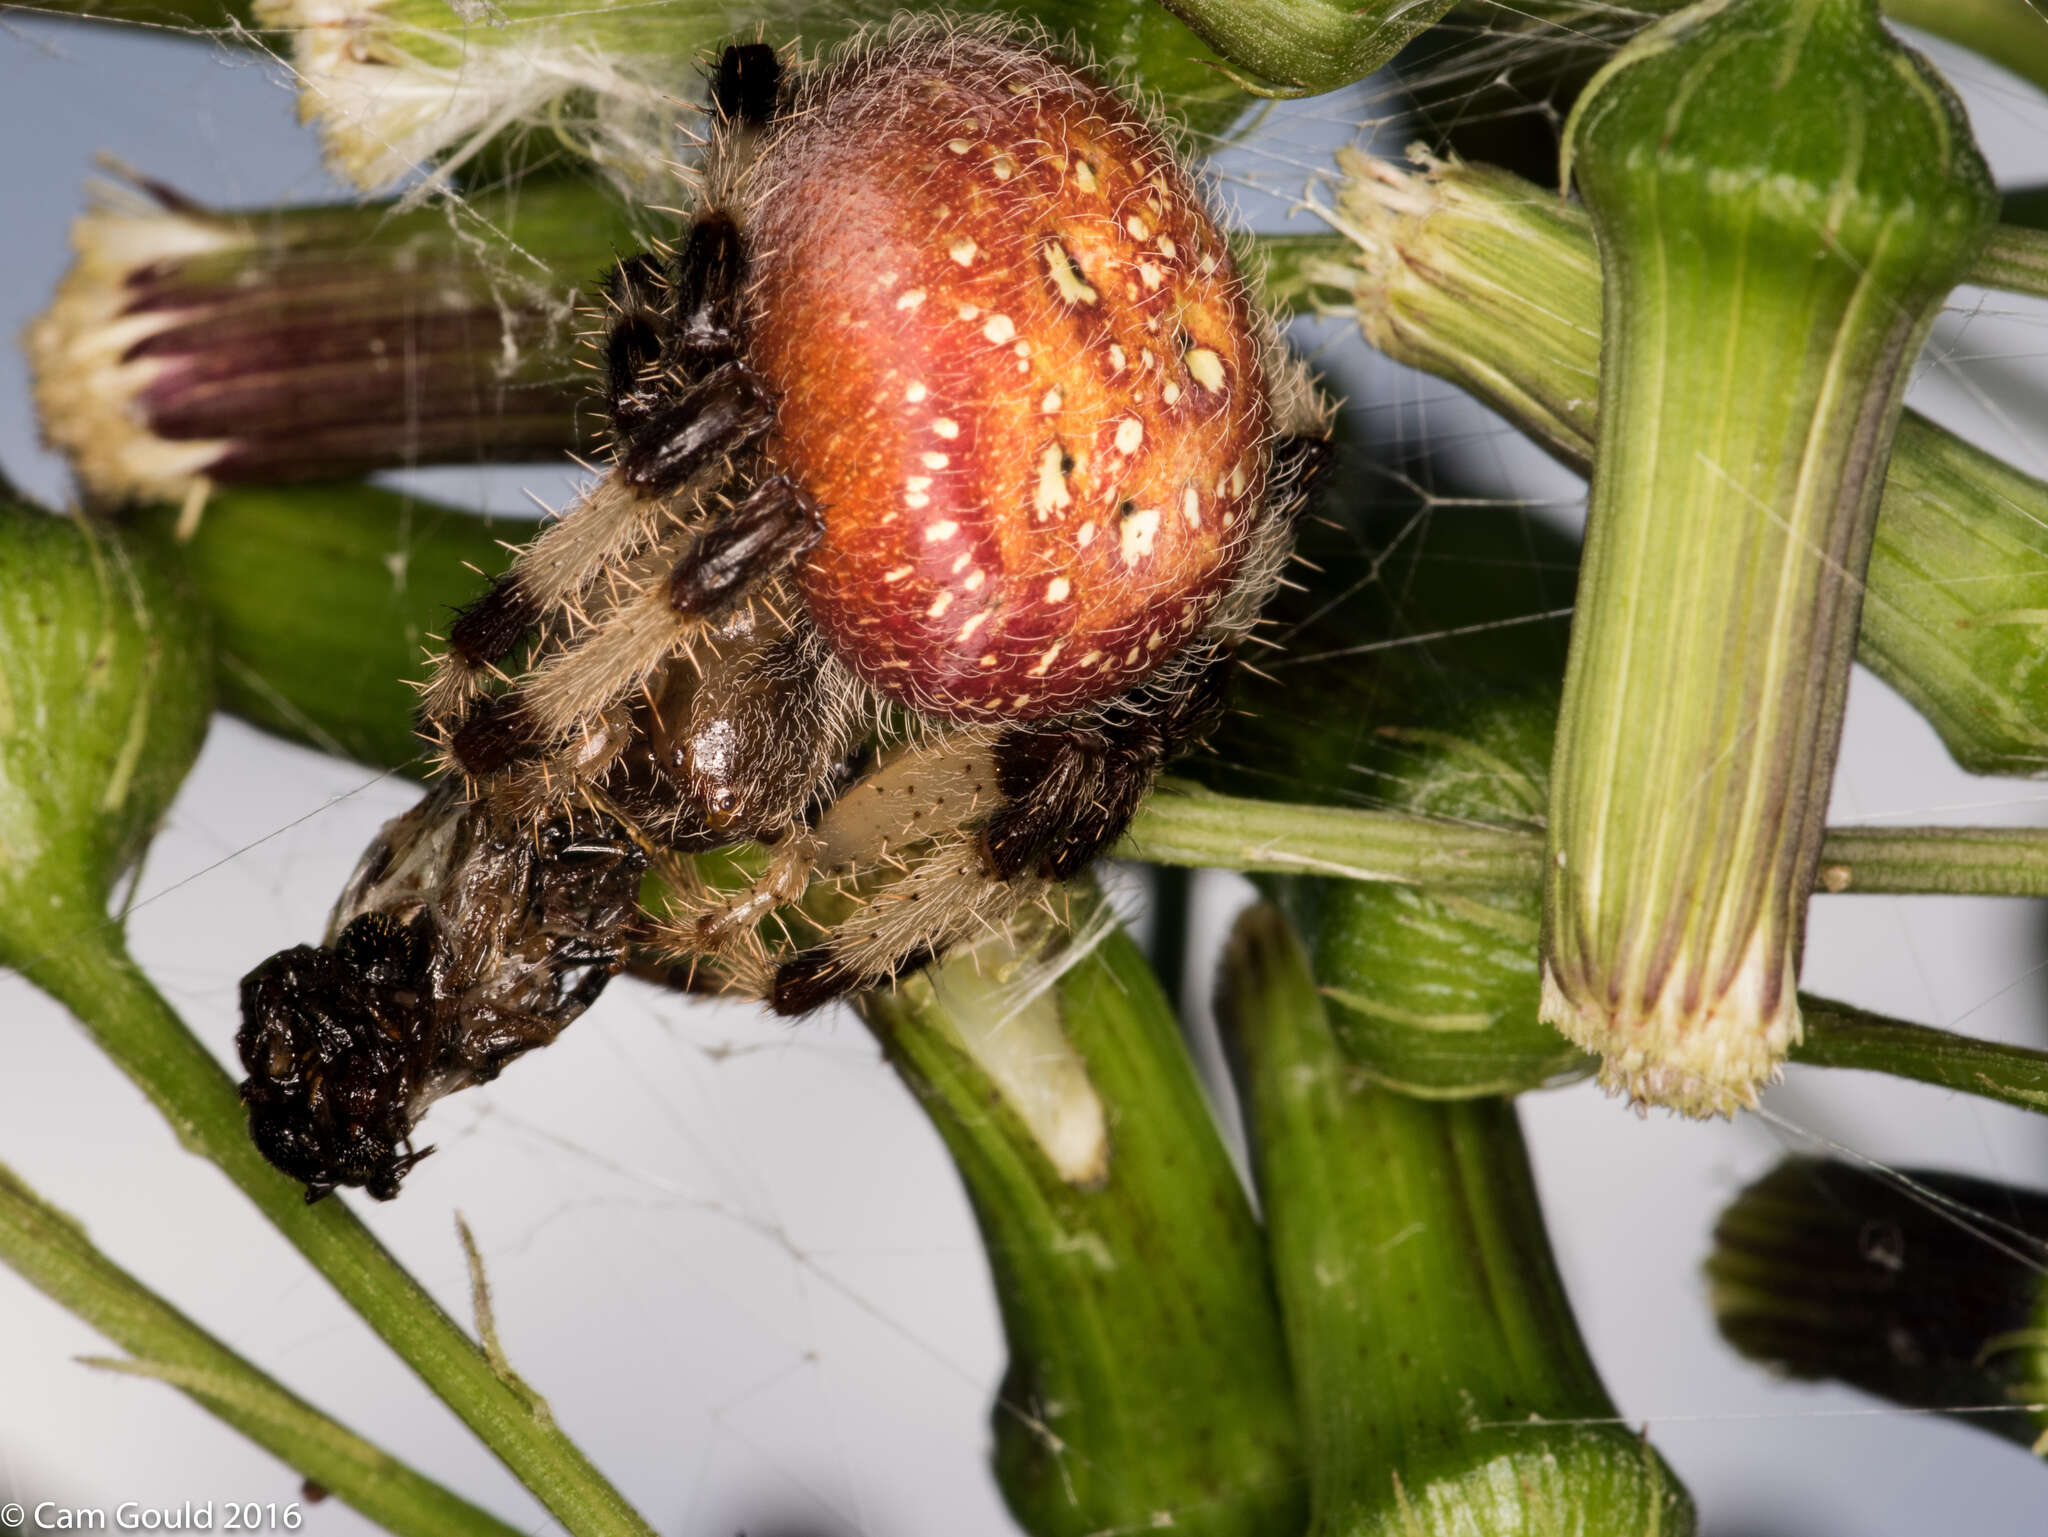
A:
x: 731, y: 1252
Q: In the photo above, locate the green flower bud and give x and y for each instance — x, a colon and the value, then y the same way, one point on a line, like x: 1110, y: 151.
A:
x: 1885, y: 1281
x: 1490, y: 282
x: 105, y: 689
x: 1782, y: 196
x: 1429, y: 989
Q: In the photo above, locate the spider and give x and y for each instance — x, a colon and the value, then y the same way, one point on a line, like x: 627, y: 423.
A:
x: 951, y: 463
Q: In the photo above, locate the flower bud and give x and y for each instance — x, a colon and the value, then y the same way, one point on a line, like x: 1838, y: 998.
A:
x: 105, y: 688
x: 1782, y: 196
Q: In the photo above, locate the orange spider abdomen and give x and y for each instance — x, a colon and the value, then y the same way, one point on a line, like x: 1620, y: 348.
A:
x: 1018, y: 371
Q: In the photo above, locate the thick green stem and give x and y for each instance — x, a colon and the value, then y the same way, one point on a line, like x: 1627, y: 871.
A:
x: 1183, y: 824
x: 1494, y: 284
x: 324, y: 599
x: 51, y: 1251
x: 198, y: 17
x: 1147, y: 1371
x: 1838, y: 1035
x: 1443, y: 1384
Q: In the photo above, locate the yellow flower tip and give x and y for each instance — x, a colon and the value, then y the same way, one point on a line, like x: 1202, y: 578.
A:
x: 86, y: 351
x: 394, y: 87
x: 1704, y: 1060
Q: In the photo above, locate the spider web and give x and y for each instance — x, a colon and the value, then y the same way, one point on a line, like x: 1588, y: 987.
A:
x: 730, y: 1251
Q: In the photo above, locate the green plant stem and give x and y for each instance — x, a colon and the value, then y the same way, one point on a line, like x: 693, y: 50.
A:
x: 1443, y: 1384
x: 91, y: 974
x: 51, y: 1251
x: 1147, y: 1371
x: 324, y: 601
x: 1184, y: 824
x: 2014, y: 257
x: 1839, y: 1035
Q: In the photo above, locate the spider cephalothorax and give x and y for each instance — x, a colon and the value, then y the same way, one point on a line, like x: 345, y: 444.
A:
x: 951, y: 463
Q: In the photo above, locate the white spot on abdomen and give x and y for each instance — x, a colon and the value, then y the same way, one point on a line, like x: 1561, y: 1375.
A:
x: 1052, y: 495
x: 1137, y: 533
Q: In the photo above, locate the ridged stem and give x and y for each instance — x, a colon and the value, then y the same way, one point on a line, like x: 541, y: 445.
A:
x: 1186, y: 825
x: 1443, y: 1384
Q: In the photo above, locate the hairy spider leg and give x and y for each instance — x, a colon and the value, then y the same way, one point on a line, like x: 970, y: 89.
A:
x: 636, y: 297
x: 1070, y: 791
x: 745, y: 86
x: 771, y: 528
x: 667, y: 326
